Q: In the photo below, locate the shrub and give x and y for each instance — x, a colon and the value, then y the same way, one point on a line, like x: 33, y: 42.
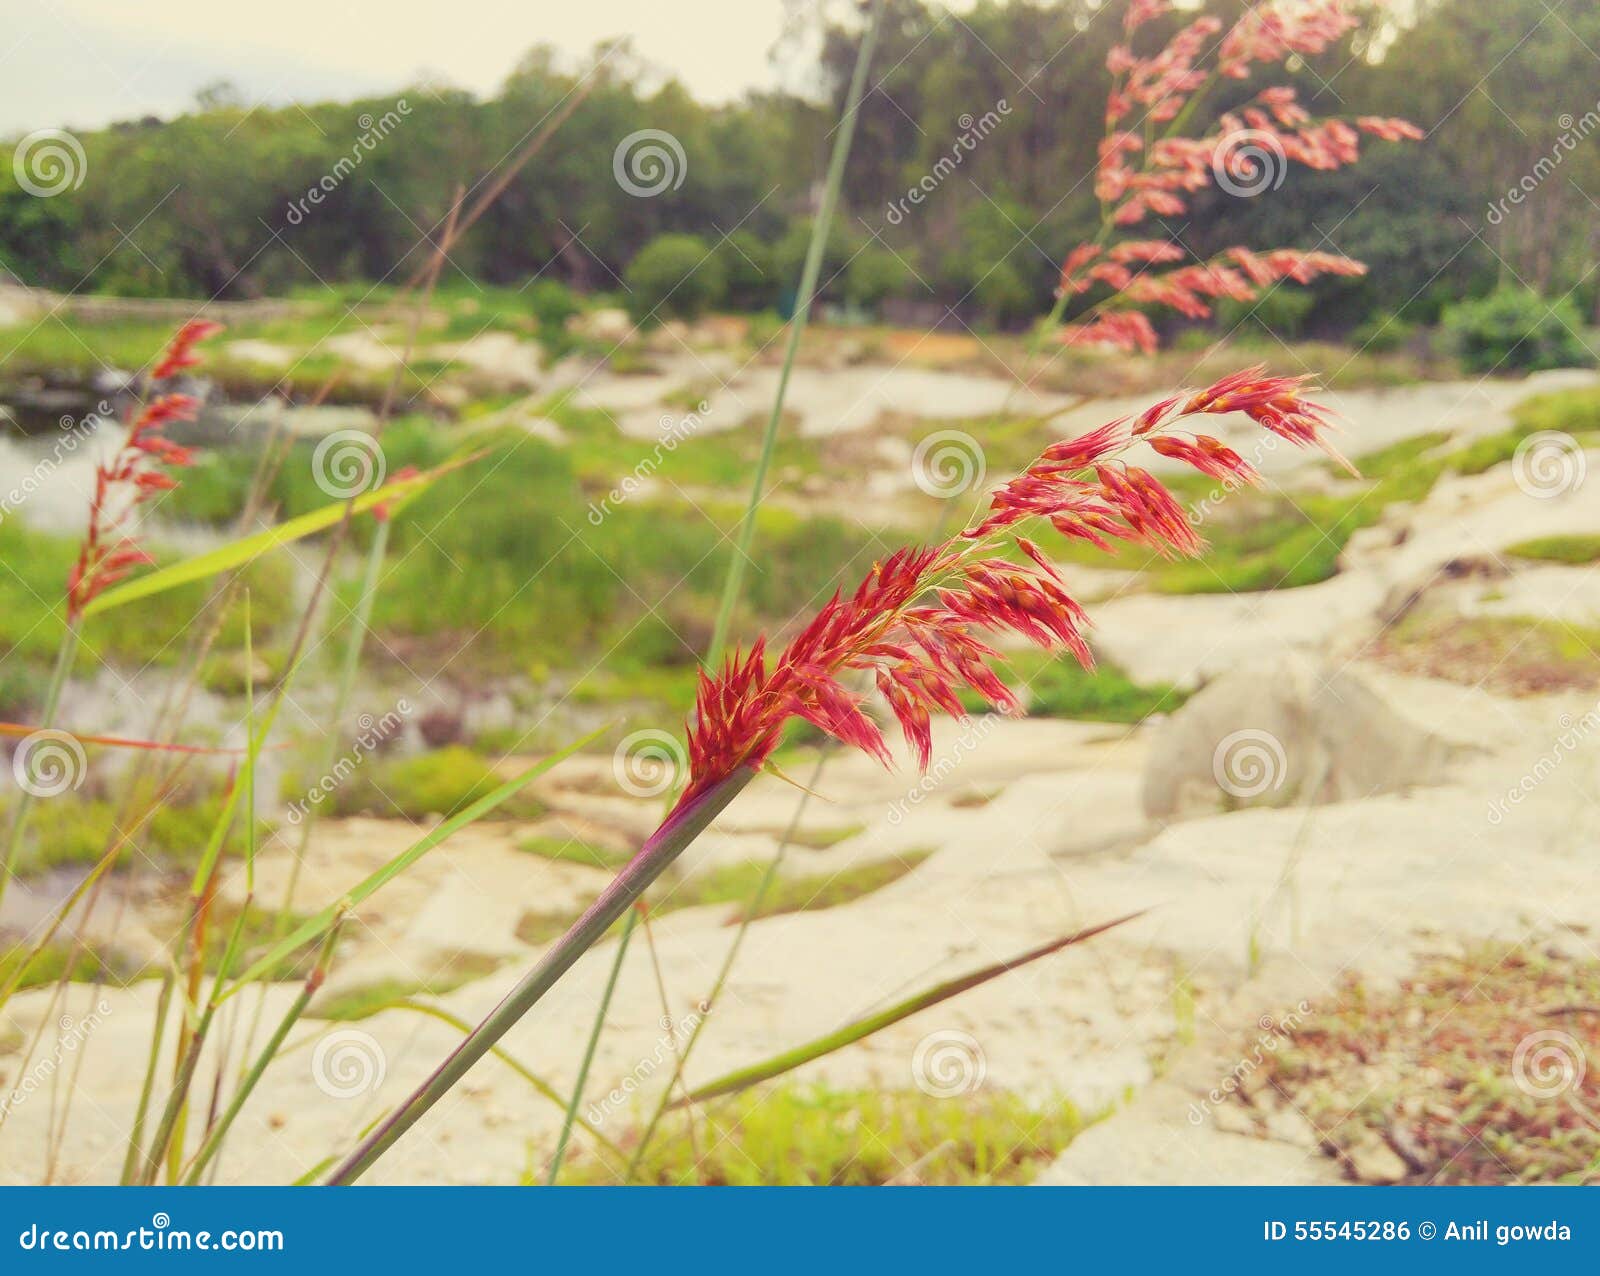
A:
x: 873, y: 275
x: 1383, y: 334
x: 1281, y: 311
x: 1515, y: 329
x: 747, y: 265
x: 675, y: 275
x: 552, y: 303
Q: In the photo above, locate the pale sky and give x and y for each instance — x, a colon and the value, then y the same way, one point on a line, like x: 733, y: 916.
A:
x: 83, y: 63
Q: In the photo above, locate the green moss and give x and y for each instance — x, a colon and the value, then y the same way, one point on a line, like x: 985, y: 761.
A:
x: 791, y: 1136
x: 1571, y: 550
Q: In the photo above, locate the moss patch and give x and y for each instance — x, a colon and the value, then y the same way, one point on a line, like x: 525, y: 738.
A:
x: 1573, y: 551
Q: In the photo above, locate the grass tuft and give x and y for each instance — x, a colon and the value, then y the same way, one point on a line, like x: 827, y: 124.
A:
x: 852, y: 1138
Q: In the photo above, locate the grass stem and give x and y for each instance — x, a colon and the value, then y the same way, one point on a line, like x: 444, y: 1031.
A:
x: 663, y: 847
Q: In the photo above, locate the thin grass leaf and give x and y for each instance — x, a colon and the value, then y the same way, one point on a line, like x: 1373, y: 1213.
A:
x: 246, y: 550
x: 224, y: 821
x: 315, y: 926
x: 663, y: 847
x: 859, y: 1029
x: 22, y: 729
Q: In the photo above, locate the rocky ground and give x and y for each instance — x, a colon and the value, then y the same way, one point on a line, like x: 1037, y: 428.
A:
x: 1326, y: 805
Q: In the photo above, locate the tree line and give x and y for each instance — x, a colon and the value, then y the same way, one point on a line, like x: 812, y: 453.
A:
x: 966, y: 184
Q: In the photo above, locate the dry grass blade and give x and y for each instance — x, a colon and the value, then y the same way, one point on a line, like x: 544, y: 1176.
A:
x: 862, y: 1028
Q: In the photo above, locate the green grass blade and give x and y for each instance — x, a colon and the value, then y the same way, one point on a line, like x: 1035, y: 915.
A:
x: 316, y: 925
x: 789, y: 1060
x: 247, y: 549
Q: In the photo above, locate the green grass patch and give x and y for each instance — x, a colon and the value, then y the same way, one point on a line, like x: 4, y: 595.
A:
x: 735, y: 884
x: 792, y: 1136
x: 71, y: 830
x: 1573, y: 551
x: 440, y: 782
x: 50, y: 964
x: 1514, y: 655
x: 366, y: 1001
x: 151, y: 631
x: 811, y: 892
x: 1057, y: 686
x: 571, y: 850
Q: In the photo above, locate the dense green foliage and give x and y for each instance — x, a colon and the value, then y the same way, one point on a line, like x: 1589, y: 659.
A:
x: 1514, y: 329
x: 1024, y: 81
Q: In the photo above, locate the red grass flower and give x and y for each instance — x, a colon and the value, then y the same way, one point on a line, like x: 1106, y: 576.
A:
x: 1146, y: 171
x: 134, y: 475
x: 913, y: 623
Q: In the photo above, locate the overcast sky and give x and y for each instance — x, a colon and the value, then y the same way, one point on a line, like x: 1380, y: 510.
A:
x: 84, y: 63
